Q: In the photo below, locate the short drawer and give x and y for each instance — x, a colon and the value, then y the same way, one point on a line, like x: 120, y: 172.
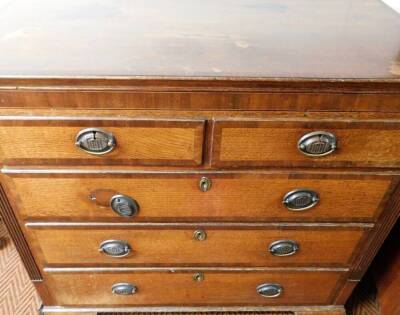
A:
x: 180, y: 288
x: 257, y: 196
x: 195, y: 245
x: 306, y: 143
x: 101, y: 141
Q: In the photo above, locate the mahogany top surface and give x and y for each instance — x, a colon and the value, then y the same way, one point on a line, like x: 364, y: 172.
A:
x: 357, y: 39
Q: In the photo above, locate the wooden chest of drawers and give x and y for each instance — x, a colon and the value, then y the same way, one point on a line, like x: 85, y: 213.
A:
x: 185, y: 164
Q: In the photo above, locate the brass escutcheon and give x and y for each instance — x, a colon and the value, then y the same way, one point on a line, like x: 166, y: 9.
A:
x: 199, y: 235
x: 205, y: 184
x: 198, y: 276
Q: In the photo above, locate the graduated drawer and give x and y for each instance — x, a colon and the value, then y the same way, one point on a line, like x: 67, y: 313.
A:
x: 256, y: 196
x: 179, y: 288
x: 60, y: 140
x: 163, y: 244
x: 276, y: 143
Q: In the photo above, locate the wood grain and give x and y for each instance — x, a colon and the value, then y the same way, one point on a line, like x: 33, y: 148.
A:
x: 345, y: 292
x: 378, y: 235
x: 79, y: 97
x: 222, y: 247
x: 52, y: 141
x: 17, y: 116
x: 190, y: 83
x: 271, y: 142
x: 172, y: 310
x: 180, y: 288
x: 255, y: 196
x: 16, y: 234
x: 150, y: 40
x: 226, y: 87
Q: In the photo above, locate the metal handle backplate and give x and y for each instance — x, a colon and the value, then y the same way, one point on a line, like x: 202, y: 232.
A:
x: 115, y: 248
x: 300, y: 199
x: 317, y: 143
x: 270, y: 290
x: 283, y: 248
x: 124, y: 289
x: 125, y: 206
x: 95, y: 141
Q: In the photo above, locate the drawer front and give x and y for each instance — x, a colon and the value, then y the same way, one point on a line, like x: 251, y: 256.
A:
x: 96, y: 141
x: 196, y: 246
x: 177, y: 197
x: 280, y: 143
x: 217, y: 288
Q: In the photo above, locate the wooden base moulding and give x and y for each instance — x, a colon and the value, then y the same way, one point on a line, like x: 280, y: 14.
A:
x: 298, y: 310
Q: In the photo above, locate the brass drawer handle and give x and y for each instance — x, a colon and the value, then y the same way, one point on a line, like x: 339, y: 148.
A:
x: 124, y: 289
x: 95, y: 141
x: 317, y: 143
x: 270, y: 290
x: 123, y: 205
x: 115, y: 248
x: 300, y: 199
x: 283, y: 248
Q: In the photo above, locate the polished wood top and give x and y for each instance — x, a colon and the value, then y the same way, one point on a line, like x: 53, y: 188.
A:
x: 353, y: 39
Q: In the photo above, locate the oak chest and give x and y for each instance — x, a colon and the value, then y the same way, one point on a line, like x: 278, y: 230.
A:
x: 233, y: 156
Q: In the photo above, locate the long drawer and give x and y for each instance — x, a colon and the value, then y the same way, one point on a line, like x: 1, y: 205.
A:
x: 195, y: 246
x: 178, y: 288
x: 60, y: 140
x: 312, y: 143
x: 256, y: 196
